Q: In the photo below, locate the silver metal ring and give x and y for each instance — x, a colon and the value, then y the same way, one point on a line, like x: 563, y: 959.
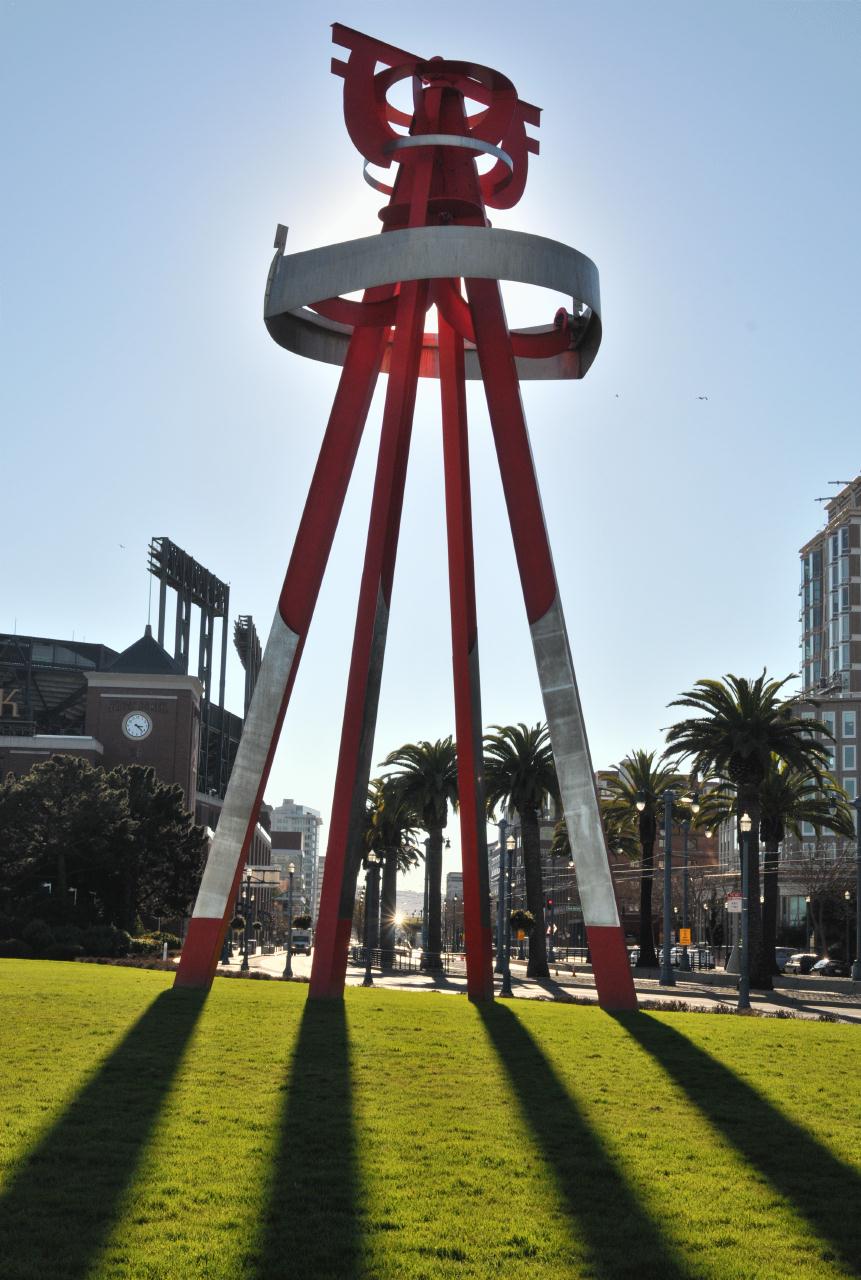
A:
x: 450, y: 140
x: 297, y: 281
x: 374, y: 182
x: 436, y: 140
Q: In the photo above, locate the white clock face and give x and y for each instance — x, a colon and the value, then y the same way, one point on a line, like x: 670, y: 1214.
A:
x: 137, y: 725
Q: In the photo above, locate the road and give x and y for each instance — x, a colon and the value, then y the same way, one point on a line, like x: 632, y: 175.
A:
x: 705, y: 991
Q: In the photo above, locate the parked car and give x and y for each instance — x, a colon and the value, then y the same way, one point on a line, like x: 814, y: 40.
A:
x: 800, y: 962
x: 829, y: 968
x: 781, y: 955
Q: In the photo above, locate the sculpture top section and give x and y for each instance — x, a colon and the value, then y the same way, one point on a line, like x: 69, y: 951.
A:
x: 435, y: 223
x: 498, y: 130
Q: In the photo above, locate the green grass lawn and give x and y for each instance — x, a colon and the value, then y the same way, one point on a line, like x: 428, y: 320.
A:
x: 147, y: 1133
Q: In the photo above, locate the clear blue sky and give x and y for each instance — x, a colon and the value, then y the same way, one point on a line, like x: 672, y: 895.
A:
x: 705, y: 155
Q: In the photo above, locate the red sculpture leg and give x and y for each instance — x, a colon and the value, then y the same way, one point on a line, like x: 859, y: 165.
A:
x: 332, y: 939
x: 467, y: 690
x: 229, y: 849
x: 552, y: 652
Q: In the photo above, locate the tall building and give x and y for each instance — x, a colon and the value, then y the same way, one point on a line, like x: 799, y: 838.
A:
x: 831, y: 598
x: 289, y: 816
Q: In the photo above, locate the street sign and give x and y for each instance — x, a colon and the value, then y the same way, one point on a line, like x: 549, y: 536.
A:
x: 685, y: 937
x: 733, y: 903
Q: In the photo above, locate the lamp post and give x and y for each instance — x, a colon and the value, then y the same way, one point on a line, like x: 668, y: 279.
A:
x: 807, y: 919
x: 667, y: 978
x: 856, y: 964
x: 685, y: 963
x: 508, y: 852
x: 499, y: 967
x: 247, y: 904
x: 288, y: 967
x: 370, y: 901
x: 745, y: 824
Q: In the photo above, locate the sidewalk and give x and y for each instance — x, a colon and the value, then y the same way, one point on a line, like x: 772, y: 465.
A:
x: 699, y: 991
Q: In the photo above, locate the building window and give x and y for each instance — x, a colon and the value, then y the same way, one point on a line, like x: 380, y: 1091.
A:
x: 844, y: 539
x: 844, y: 657
x: 849, y: 757
x: 848, y: 724
x: 807, y: 830
x: 828, y: 721
x: 844, y: 598
x: 844, y: 568
x: 833, y: 547
x: 850, y: 786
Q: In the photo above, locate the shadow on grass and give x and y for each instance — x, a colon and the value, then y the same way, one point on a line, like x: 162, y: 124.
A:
x: 311, y: 1224
x: 820, y: 1187
x: 59, y: 1208
x: 619, y: 1236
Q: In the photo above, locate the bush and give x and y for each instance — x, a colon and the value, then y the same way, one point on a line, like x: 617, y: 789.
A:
x: 62, y: 951
x: 15, y: 949
x: 105, y: 940
x: 39, y: 935
x: 152, y: 943
x: 69, y: 935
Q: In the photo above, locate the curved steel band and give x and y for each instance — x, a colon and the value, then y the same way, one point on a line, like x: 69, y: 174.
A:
x: 296, y: 281
x: 450, y: 140
x: 436, y: 140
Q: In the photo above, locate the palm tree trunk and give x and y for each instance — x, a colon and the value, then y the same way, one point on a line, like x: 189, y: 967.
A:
x: 372, y: 909
x: 388, y: 907
x: 769, y: 906
x: 531, y: 837
x: 432, y: 959
x: 760, y: 970
x: 647, y: 958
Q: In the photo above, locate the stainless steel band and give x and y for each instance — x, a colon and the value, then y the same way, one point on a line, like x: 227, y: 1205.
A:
x: 298, y: 280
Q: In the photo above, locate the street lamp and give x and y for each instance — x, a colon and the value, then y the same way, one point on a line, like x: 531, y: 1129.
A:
x: 694, y: 802
x: 506, y: 972
x: 499, y: 967
x: 288, y: 967
x: 807, y: 922
x: 373, y: 861
x: 247, y: 904
x: 856, y: 966
x: 745, y: 823
x: 667, y: 978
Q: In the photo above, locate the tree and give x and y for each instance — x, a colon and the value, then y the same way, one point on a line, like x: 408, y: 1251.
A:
x: 520, y: 774
x: 641, y: 779
x: 391, y: 834
x: 62, y: 824
x: 426, y: 778
x: 113, y: 844
x: 739, y: 725
x: 787, y: 797
x: 157, y: 870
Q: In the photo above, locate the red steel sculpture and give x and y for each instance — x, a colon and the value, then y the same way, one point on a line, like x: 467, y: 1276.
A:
x: 436, y: 248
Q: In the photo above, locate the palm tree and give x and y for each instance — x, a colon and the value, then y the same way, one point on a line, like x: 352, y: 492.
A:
x: 520, y: 774
x: 426, y: 779
x: 739, y: 726
x: 640, y: 779
x: 391, y: 834
x: 788, y: 797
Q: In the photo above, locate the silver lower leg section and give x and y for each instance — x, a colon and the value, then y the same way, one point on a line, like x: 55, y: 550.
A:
x: 252, y: 758
x: 574, y: 767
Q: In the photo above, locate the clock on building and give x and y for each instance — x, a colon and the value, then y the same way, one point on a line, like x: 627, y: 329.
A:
x: 137, y: 725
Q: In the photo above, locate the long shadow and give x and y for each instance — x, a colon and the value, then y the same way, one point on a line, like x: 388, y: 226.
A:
x: 822, y: 1188
x: 311, y: 1225
x: 59, y: 1208
x: 620, y: 1237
